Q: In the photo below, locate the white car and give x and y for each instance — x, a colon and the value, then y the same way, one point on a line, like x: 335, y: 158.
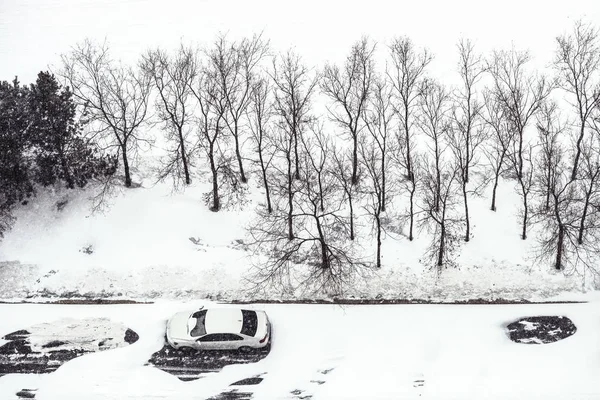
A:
x: 219, y: 329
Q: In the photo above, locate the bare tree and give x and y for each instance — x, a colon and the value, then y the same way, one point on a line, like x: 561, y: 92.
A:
x: 550, y: 131
x: 467, y: 132
x: 521, y: 93
x: 500, y: 142
x: 173, y: 78
x: 212, y: 103
x: 260, y: 114
x: 438, y: 212
x: 525, y: 183
x: 319, y: 243
x: 400, y: 158
x: 294, y: 88
x: 372, y: 156
x: 114, y: 96
x: 559, y: 200
x: 237, y: 80
x: 406, y: 72
x: 340, y: 169
x: 577, y: 62
x: 589, y: 186
x: 378, y: 120
x: 434, y: 122
x: 349, y: 90
x: 570, y: 233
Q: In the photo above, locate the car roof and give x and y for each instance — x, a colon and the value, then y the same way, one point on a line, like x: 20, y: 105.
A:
x: 223, y: 320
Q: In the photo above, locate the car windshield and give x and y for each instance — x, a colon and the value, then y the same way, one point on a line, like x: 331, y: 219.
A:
x: 198, y: 326
x: 250, y: 323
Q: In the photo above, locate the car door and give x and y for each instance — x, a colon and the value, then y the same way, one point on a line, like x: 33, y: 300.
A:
x: 220, y: 341
x: 209, y: 342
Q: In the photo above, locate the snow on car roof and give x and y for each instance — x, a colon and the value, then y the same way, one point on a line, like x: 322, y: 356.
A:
x: 223, y: 320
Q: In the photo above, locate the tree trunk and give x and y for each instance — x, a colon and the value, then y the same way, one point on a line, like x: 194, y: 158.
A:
x: 584, y: 216
x: 559, y: 247
x: 412, y: 211
x: 520, y: 171
x: 215, y: 183
x: 468, y: 222
x: 238, y: 154
x: 578, y: 152
x: 351, y: 217
x: 355, y: 159
x: 383, y: 180
x: 438, y: 180
x: 325, y: 262
x: 442, y: 248
x: 378, y: 223
x: 548, y: 188
x: 493, y: 207
x: 126, y: 165
x: 525, y: 216
x: 409, y: 171
x: 265, y: 181
x: 290, y: 198
x: 297, y: 173
x: 184, y: 159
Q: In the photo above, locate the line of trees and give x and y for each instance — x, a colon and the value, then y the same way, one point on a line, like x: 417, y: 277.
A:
x: 391, y: 135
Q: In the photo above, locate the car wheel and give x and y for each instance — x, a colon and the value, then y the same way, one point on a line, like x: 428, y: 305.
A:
x: 245, y: 349
x: 186, y: 349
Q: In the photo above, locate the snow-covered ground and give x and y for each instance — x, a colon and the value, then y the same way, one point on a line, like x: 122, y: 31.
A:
x: 332, y: 352
x: 152, y: 243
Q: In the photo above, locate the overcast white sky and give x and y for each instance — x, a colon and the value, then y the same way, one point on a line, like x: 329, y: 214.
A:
x: 34, y: 32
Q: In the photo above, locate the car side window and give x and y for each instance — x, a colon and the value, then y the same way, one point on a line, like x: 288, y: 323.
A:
x: 213, y: 337
x: 220, y: 337
x: 228, y: 337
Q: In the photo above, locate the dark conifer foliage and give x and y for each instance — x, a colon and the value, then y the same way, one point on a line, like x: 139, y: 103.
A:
x: 61, y: 153
x: 15, y: 181
x: 41, y: 143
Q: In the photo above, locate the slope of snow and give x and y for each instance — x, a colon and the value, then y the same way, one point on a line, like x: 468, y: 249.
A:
x: 153, y: 243
x: 332, y: 352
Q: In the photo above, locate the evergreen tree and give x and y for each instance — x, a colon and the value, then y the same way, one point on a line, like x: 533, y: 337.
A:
x: 61, y: 152
x: 15, y: 182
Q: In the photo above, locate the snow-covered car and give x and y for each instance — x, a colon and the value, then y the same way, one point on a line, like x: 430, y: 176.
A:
x: 219, y: 329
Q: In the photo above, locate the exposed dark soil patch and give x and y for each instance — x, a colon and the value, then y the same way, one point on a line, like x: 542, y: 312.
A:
x: 255, y: 380
x: 27, y: 394
x: 131, y: 337
x: 189, y: 366
x: 541, y: 329
x: 20, y: 356
x: 232, y: 395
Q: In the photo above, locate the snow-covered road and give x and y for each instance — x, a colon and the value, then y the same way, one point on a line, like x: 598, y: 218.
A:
x: 337, y: 352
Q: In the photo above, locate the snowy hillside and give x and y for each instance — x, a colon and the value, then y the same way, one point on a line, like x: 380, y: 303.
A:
x: 151, y: 241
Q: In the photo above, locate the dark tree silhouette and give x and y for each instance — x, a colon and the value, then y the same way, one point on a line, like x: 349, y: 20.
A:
x: 434, y: 122
x: 173, y: 77
x: 406, y: 71
x: 245, y: 56
x: 349, y: 89
x: 577, y: 62
x: 293, y: 91
x: 260, y: 113
x: 113, y: 96
x: 499, y: 142
x: 468, y: 132
x: 520, y: 92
